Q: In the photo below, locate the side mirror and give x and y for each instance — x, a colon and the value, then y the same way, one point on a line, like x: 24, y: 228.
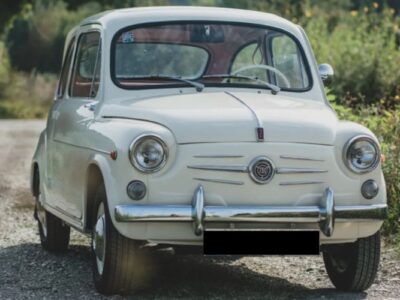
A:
x: 326, y: 72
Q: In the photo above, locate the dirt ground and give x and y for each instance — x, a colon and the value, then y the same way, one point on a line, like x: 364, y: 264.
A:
x: 28, y: 272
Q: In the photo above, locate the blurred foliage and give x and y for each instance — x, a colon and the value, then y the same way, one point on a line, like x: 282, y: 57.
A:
x: 27, y: 95
x: 41, y: 27
x: 4, y: 67
x: 8, y: 8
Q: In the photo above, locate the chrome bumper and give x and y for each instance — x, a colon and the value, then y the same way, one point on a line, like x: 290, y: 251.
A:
x: 325, y: 215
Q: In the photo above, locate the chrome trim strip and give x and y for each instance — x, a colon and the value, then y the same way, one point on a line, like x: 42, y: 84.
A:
x: 219, y: 180
x: 286, y: 183
x: 259, y: 122
x: 325, y: 215
x: 82, y: 147
x: 299, y: 170
x: 65, y: 213
x: 218, y: 156
x: 300, y: 158
x: 245, y: 169
x: 241, y: 169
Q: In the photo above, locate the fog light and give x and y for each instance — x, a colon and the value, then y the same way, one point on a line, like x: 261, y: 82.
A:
x: 369, y: 189
x: 136, y: 190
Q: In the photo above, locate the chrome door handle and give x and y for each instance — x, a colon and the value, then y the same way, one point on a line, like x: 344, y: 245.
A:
x: 90, y: 106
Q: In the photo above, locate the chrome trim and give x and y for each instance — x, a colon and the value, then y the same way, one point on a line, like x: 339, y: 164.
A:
x: 244, y: 169
x: 132, y: 148
x: 300, y: 158
x: 219, y: 180
x: 259, y: 122
x: 325, y: 72
x: 347, y: 146
x: 83, y: 147
x: 198, y: 210
x: 299, y: 170
x: 255, y: 161
x: 241, y: 169
x: 91, y: 106
x: 286, y: 183
x: 325, y: 215
x: 218, y: 156
x: 153, y: 213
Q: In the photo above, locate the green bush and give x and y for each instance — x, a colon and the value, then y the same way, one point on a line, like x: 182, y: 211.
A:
x: 361, y: 47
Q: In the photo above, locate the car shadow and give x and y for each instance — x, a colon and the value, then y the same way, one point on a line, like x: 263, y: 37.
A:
x: 27, y: 271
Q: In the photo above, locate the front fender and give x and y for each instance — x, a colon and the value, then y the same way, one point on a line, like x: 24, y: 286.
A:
x: 117, y: 135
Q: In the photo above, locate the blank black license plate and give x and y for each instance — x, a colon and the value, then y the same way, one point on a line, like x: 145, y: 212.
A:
x: 238, y: 242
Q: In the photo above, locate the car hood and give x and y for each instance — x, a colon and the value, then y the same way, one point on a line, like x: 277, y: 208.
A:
x: 232, y: 117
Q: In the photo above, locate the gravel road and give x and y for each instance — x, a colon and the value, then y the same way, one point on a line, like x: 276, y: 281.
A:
x: 28, y: 272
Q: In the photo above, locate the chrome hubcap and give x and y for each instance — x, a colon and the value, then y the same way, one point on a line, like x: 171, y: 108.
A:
x: 41, y: 215
x: 99, y: 238
x: 340, y: 263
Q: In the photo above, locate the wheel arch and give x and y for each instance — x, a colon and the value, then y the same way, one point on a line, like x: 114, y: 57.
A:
x: 94, y: 177
x: 35, y: 179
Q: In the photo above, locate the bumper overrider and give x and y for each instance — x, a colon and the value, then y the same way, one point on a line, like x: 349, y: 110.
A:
x: 325, y: 215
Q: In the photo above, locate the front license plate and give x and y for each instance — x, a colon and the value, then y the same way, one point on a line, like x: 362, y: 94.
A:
x: 238, y: 242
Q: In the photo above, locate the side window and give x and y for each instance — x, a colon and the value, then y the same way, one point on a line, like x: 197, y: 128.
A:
x: 286, y: 58
x: 247, y: 56
x: 64, y: 70
x: 86, y: 72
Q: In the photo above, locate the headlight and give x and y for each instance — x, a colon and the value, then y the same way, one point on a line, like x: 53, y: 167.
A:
x: 148, y: 153
x: 361, y: 154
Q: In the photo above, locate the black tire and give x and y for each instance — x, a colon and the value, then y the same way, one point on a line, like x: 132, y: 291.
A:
x: 124, y: 265
x: 353, y: 267
x: 54, y: 233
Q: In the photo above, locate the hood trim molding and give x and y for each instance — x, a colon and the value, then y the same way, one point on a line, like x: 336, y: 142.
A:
x: 259, y: 128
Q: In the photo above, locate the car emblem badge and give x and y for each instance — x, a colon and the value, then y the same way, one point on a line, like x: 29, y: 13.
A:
x: 260, y: 134
x: 261, y: 170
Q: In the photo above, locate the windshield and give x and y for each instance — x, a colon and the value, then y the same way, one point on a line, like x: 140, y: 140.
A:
x: 213, y: 54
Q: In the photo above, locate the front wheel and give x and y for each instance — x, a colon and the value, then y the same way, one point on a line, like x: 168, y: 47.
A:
x: 353, y: 267
x: 118, y: 265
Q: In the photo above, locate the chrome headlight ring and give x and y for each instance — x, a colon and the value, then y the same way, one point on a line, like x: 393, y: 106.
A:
x: 158, y: 147
x: 354, y: 158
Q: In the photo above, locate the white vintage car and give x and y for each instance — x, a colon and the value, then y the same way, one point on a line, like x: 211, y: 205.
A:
x: 191, y: 126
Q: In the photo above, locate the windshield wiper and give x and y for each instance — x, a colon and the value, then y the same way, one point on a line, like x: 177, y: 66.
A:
x: 274, y: 88
x: 199, y: 86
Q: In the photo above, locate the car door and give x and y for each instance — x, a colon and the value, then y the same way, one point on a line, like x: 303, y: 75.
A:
x: 51, y: 197
x: 73, y: 115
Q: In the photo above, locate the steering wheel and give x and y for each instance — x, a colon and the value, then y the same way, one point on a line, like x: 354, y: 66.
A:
x: 264, y: 67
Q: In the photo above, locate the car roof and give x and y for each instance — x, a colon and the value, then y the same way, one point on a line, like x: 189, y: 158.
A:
x: 120, y: 18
